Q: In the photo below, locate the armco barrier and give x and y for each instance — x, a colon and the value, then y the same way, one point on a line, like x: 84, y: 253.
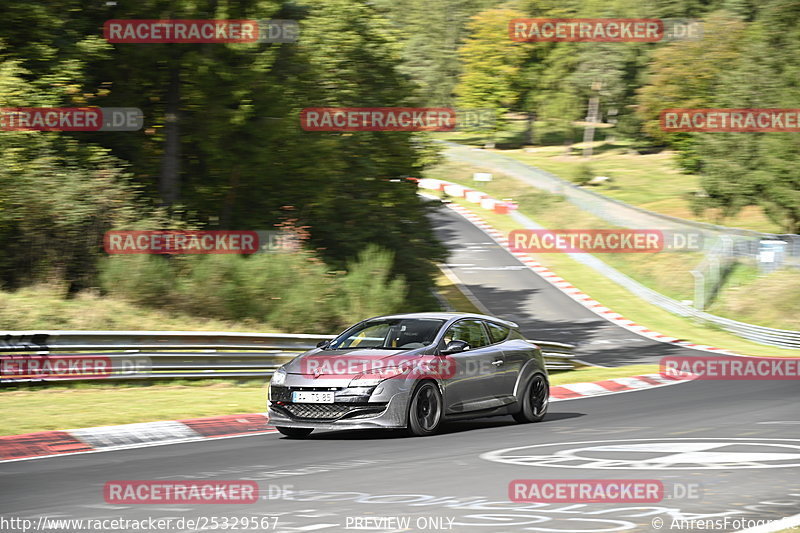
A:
x: 173, y: 355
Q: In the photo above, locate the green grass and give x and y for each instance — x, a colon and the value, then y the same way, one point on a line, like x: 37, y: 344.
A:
x: 766, y: 300
x: 651, y: 180
x: 59, y: 407
x: 35, y: 408
x: 45, y: 307
x: 595, y: 373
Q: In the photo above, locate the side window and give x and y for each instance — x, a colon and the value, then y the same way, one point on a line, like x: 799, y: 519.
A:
x: 470, y: 331
x: 497, y: 332
x: 515, y: 334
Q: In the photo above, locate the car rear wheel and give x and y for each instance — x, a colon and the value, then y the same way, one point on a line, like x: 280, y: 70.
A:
x: 535, y: 401
x: 425, y: 410
x: 295, y: 433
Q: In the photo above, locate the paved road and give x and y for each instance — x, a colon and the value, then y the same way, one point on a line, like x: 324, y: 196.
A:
x: 510, y: 290
x: 734, y: 447
x: 374, y: 474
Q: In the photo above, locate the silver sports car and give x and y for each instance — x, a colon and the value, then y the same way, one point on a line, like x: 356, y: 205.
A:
x: 411, y: 371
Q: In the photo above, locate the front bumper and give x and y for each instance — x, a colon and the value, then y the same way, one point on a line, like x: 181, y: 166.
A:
x: 386, y: 410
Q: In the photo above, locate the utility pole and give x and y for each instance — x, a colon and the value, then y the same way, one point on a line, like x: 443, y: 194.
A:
x: 591, y: 119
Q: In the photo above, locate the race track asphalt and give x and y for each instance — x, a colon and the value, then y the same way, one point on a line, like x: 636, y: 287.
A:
x: 722, y: 448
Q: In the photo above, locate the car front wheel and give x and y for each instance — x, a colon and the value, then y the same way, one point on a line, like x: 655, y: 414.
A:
x: 534, y: 401
x: 425, y: 410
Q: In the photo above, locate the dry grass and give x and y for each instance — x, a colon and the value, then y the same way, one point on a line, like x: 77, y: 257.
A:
x: 45, y: 307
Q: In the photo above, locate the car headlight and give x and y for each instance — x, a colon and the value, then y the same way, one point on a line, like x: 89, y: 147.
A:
x: 374, y: 377
x: 278, y: 377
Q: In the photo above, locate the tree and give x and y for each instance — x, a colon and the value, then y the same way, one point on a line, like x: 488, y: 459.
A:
x: 779, y: 193
x: 350, y: 188
x: 741, y: 169
x: 688, y: 74
x: 492, y: 64
x: 222, y: 142
x: 431, y: 32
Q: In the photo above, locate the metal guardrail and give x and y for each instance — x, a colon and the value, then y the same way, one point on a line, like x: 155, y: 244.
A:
x: 153, y: 340
x: 558, y: 356
x: 52, y: 356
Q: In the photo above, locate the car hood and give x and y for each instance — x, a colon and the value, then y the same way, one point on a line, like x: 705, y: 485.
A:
x: 346, y: 363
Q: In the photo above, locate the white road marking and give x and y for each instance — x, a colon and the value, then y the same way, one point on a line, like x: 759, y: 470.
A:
x: 656, y: 454
x: 633, y: 383
x: 585, y: 388
x: 786, y: 523
x: 497, y: 268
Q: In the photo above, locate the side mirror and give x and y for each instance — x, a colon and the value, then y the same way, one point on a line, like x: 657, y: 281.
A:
x: 323, y: 344
x: 455, y: 347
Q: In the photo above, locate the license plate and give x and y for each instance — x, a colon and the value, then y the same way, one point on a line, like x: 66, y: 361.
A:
x: 312, y: 396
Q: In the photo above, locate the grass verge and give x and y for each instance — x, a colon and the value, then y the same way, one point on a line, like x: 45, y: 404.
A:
x: 34, y: 408
x: 596, y: 373
x: 44, y: 307
x: 652, y: 181
x: 649, y: 181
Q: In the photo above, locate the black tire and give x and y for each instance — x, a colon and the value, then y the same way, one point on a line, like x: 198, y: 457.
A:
x: 425, y: 410
x: 534, y: 401
x: 295, y: 433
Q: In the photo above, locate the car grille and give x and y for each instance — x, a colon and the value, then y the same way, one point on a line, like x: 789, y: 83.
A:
x: 328, y: 411
x: 317, y: 410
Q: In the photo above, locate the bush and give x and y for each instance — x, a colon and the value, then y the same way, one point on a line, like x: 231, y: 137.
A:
x: 583, y: 174
x: 140, y: 279
x: 366, y: 289
x: 293, y: 292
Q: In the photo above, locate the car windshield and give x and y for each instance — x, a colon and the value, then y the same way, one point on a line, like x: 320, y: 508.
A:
x: 390, y: 333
